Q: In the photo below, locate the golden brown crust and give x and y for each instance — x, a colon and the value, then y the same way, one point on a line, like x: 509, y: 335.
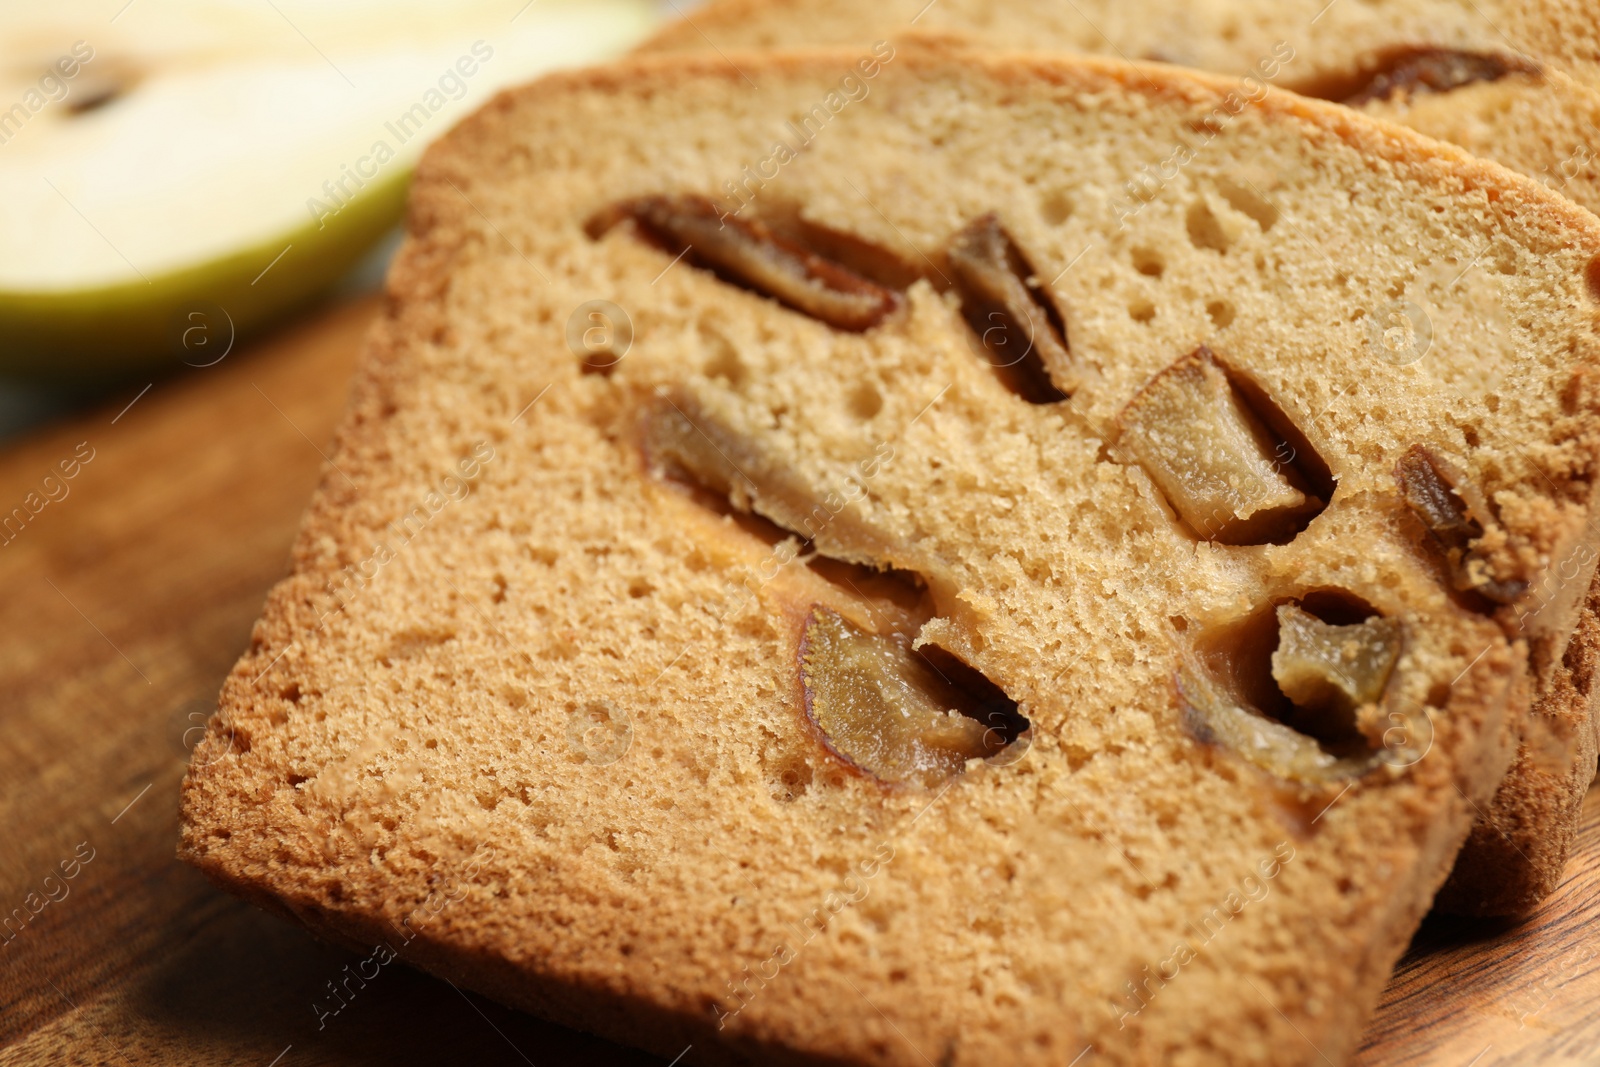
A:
x: 409, y: 756
x: 1229, y: 37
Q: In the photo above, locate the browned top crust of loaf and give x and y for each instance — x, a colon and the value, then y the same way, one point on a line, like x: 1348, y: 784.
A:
x: 532, y: 705
x: 1335, y: 45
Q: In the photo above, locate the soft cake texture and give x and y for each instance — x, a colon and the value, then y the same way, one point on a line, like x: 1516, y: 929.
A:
x: 536, y: 702
x: 1544, y: 124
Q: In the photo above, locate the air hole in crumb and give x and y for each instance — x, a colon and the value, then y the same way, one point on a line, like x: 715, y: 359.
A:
x: 1179, y: 623
x: 416, y: 641
x: 865, y: 401
x: 640, y: 587
x: 291, y: 692
x: 297, y: 779
x: 788, y: 778
x: 1055, y: 207
x: 1141, y: 311
x: 724, y: 363
x: 1247, y: 201
x: 1148, y: 261
x: 1221, y: 313
x: 1204, y: 229
x: 1492, y: 402
x: 1439, y: 695
x: 602, y: 362
x: 1591, y: 274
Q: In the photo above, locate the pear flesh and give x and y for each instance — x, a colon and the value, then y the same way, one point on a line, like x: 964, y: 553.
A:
x: 230, y: 160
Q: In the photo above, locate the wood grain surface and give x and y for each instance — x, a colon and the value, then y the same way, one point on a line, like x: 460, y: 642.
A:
x: 125, y: 602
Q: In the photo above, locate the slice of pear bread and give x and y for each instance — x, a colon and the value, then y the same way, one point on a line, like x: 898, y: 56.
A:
x: 919, y: 612
x: 1488, y: 77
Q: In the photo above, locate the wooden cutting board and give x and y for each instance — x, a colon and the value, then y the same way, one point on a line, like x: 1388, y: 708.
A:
x: 125, y: 601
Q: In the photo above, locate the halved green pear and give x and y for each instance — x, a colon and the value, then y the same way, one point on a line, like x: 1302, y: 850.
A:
x: 231, y: 159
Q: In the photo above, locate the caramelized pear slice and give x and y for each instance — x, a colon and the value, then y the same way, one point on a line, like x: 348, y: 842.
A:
x: 1211, y: 456
x: 1006, y: 306
x: 680, y: 432
x: 885, y: 709
x: 1455, y: 514
x: 1216, y: 717
x: 693, y: 450
x: 1334, y: 668
x: 1429, y: 69
x: 751, y: 255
